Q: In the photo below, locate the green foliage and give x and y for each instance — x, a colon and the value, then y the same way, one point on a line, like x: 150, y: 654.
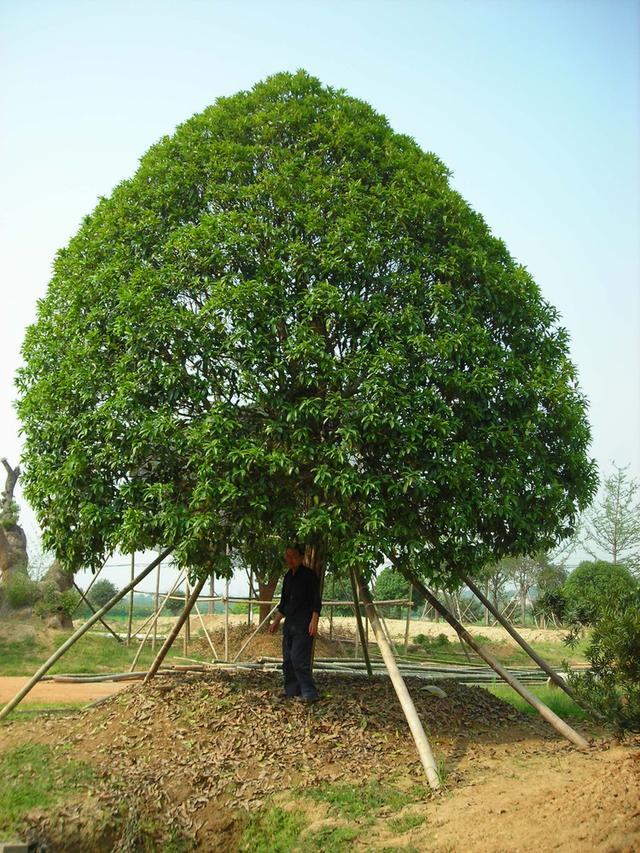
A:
x: 590, y: 588
x: 33, y: 776
x: 19, y: 590
x: 51, y: 600
x: 102, y: 591
x: 441, y: 641
x: 612, y: 524
x: 11, y: 515
x: 612, y: 685
x: 272, y: 830
x: 405, y: 822
x: 355, y: 801
x: 552, y: 604
x: 337, y: 839
x: 175, y: 604
x: 553, y: 697
x: 288, y: 323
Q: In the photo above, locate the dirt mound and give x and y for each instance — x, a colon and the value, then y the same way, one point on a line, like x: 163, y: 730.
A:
x: 262, y: 645
x: 191, y: 754
x: 563, y: 801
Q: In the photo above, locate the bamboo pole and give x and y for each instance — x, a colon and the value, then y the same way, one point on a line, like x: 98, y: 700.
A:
x: 544, y: 666
x: 360, y: 630
x: 251, y: 636
x: 76, y: 636
x: 226, y: 620
x: 558, y: 724
x: 211, y: 605
x: 333, y: 592
x: 422, y: 744
x: 250, y: 607
x: 155, y: 616
x: 130, y: 619
x: 93, y: 580
x: 156, y: 602
x: 406, y: 627
x: 176, y: 629
x: 185, y: 633
x: 93, y: 610
x: 206, y: 633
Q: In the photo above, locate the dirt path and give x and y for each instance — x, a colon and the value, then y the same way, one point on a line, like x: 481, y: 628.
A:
x: 56, y: 692
x: 543, y: 799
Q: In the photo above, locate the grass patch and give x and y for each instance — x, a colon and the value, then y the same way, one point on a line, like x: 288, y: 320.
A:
x: 448, y: 650
x: 405, y: 822
x: 353, y: 801
x: 337, y: 839
x: 271, y: 830
x: 91, y: 653
x: 554, y: 697
x: 33, y: 710
x: 33, y: 776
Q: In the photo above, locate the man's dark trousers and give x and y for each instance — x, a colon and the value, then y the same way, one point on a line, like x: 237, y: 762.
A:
x: 296, y: 660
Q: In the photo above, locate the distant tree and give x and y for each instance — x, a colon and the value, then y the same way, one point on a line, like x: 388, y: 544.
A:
x: 391, y: 584
x: 612, y: 525
x: 550, y: 602
x: 592, y: 585
x: 175, y: 604
x: 495, y: 577
x: 523, y: 573
x: 101, y: 592
x: 550, y: 577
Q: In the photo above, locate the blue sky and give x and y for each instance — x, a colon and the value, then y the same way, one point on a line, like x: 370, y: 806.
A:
x: 535, y: 106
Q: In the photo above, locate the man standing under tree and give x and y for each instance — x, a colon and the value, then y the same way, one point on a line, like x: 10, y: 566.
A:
x: 300, y: 606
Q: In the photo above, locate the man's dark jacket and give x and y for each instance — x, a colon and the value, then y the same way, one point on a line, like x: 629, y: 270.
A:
x: 300, y: 596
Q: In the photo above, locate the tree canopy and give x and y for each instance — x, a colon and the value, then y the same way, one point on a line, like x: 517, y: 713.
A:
x: 287, y: 322
x: 592, y: 585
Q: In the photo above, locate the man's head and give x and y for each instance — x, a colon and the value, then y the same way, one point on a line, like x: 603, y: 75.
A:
x: 294, y: 555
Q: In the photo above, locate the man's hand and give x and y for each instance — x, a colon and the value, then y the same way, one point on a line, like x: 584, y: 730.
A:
x: 313, y: 625
x: 273, y: 626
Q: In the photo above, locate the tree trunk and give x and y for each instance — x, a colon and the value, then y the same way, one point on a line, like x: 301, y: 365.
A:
x: 265, y: 593
x: 55, y: 581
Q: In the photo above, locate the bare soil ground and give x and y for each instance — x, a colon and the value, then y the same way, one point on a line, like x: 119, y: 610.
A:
x: 347, y: 625
x: 55, y: 692
x: 194, y: 757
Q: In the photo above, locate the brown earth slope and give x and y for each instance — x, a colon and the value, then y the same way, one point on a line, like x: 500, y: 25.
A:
x: 191, y: 757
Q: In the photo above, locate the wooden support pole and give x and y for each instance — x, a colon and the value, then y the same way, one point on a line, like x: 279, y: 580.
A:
x: 422, y: 744
x: 360, y: 632
x: 93, y: 610
x: 333, y: 595
x: 559, y: 725
x: 175, y: 630
x: 155, y: 617
x: 251, y: 636
x: 206, y: 633
x: 86, y: 592
x: 250, y: 607
x: 226, y: 620
x: 130, y: 619
x: 408, y: 622
x: 77, y: 634
x: 185, y: 633
x: 156, y: 603
x: 211, y: 604
x: 544, y: 666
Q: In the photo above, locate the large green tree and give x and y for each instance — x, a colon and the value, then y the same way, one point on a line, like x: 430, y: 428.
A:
x: 288, y: 321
